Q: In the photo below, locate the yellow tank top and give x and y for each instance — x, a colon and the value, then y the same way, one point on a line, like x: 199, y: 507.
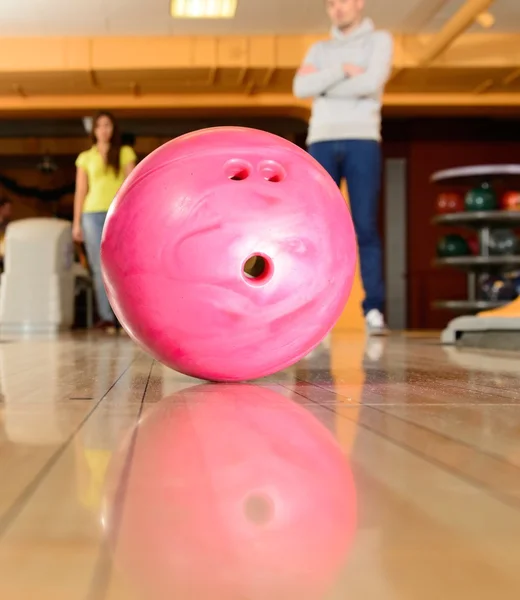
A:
x: 103, y: 182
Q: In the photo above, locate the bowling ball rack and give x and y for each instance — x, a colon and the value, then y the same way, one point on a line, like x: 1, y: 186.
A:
x: 482, y: 224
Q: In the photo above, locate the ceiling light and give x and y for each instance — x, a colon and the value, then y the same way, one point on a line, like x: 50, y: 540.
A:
x: 485, y: 20
x: 203, y: 9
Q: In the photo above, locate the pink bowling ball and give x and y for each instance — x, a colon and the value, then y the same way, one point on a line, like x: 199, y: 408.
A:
x: 228, y: 254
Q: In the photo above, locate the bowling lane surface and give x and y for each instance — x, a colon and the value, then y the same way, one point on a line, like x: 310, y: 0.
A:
x: 383, y: 468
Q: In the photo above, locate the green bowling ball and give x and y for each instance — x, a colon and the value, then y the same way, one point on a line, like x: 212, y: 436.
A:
x: 452, y: 245
x: 481, y: 198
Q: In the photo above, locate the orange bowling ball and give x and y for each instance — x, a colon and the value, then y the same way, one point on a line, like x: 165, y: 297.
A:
x: 510, y: 200
x: 449, y: 202
x: 228, y: 492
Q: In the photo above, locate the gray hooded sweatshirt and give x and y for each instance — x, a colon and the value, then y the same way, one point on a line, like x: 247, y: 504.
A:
x: 346, y: 108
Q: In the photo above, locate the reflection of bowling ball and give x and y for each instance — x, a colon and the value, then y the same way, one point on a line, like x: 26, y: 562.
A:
x: 452, y: 245
x: 497, y: 288
x: 449, y: 202
x: 228, y: 492
x: 481, y: 198
x: 181, y: 272
x: 510, y: 200
x: 503, y: 242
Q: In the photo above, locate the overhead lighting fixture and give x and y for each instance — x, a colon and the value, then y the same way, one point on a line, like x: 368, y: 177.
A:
x: 203, y: 9
x: 486, y: 20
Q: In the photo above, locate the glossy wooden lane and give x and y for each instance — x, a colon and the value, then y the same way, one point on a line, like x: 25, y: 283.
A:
x: 431, y: 435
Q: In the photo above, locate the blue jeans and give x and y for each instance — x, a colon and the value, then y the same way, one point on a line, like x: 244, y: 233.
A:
x: 92, y: 226
x: 359, y: 162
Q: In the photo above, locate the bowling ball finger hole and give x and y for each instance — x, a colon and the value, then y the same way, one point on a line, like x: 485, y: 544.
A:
x: 258, y: 509
x: 257, y: 269
x: 237, y: 170
x: 272, y: 171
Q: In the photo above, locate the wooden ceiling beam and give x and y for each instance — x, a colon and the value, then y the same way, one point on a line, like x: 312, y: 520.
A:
x: 484, y: 86
x: 460, y: 21
x: 511, y: 77
x: 283, y: 103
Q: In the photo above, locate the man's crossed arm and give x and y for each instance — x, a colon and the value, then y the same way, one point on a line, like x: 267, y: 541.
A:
x: 347, y: 80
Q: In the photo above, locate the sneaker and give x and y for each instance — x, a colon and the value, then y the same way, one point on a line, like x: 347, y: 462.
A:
x: 375, y: 323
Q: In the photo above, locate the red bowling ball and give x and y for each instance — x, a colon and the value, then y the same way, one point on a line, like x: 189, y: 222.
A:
x: 449, y: 202
x: 228, y: 254
x: 228, y: 492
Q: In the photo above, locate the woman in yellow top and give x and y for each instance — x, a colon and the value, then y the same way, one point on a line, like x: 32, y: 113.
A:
x: 100, y: 173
